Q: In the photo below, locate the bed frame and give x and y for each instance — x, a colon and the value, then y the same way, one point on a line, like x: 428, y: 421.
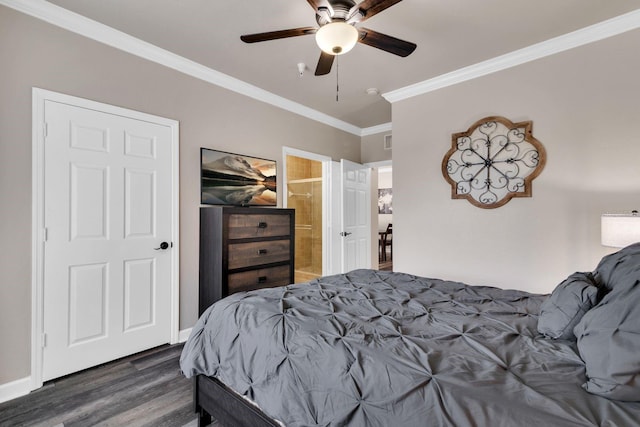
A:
x: 212, y: 398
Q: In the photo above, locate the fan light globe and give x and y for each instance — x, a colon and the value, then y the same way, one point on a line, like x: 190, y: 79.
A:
x: 336, y: 38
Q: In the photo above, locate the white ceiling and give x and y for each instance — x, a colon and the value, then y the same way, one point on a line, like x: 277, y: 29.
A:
x: 450, y: 35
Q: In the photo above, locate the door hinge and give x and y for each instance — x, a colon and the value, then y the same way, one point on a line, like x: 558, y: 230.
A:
x: 44, y: 340
x: 45, y: 234
x: 45, y: 129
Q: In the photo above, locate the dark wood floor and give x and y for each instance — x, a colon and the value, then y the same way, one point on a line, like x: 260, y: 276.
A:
x: 143, y: 390
x: 387, y: 264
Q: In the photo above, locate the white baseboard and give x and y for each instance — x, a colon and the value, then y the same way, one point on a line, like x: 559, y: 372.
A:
x: 183, y: 335
x: 15, y: 389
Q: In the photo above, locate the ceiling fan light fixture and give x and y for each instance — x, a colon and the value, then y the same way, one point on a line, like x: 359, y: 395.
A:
x: 336, y: 38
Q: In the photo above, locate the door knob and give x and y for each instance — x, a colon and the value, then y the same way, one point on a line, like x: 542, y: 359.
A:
x: 345, y: 233
x: 163, y: 246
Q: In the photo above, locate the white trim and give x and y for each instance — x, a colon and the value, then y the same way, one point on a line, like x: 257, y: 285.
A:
x: 183, y: 336
x: 175, y: 226
x: 305, y: 154
x: 14, y: 389
x: 86, y: 27
x: 385, y: 127
x: 39, y: 96
x: 37, y: 237
x: 380, y: 164
x: 611, y: 27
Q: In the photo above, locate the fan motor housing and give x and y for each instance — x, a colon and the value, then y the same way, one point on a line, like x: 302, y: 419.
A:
x: 341, y: 11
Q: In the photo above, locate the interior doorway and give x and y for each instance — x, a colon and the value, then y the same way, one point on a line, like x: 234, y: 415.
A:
x: 304, y: 194
x: 328, y: 199
x: 385, y: 217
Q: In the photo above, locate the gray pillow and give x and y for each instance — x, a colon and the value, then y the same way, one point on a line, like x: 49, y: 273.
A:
x: 570, y: 300
x: 609, y: 344
x: 619, y: 267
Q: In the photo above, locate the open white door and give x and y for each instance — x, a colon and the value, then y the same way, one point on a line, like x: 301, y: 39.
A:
x: 356, y: 215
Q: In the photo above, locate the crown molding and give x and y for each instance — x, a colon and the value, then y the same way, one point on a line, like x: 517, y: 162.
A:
x: 89, y: 28
x: 605, y: 29
x: 384, y: 127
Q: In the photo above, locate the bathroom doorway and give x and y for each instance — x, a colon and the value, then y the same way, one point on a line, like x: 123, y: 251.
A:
x: 304, y: 194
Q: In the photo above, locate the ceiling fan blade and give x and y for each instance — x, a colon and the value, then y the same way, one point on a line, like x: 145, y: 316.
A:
x: 324, y: 64
x: 386, y: 43
x: 273, y: 35
x: 369, y: 8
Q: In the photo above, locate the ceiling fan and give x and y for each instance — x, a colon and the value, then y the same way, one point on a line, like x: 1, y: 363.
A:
x: 338, y: 34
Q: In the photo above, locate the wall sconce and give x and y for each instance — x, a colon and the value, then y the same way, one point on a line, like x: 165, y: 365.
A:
x: 619, y: 231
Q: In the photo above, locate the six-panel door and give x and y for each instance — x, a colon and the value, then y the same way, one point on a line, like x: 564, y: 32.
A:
x: 107, y: 209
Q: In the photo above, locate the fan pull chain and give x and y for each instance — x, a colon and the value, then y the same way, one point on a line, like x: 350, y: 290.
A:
x: 337, y: 77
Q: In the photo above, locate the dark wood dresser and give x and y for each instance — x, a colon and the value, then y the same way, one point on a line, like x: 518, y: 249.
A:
x: 243, y: 249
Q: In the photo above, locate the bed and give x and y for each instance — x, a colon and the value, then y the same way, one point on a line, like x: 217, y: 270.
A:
x: 373, y: 348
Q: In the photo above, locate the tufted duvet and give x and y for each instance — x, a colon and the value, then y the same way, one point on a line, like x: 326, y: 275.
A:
x: 372, y: 348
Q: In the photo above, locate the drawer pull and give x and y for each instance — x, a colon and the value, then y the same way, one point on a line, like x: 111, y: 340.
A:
x: 262, y: 251
x: 262, y: 224
x: 262, y: 279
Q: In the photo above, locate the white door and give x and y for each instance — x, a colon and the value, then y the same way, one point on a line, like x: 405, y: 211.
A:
x: 356, y: 216
x: 334, y: 224
x: 107, y: 210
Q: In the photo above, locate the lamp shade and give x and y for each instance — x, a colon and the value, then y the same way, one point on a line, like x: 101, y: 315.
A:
x: 336, y: 38
x: 619, y: 231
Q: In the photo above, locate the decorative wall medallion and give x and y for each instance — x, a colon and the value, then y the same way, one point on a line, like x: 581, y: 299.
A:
x: 493, y: 161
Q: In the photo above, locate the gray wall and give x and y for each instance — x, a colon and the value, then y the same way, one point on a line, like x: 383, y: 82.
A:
x: 585, y: 111
x: 33, y: 53
x: 372, y: 148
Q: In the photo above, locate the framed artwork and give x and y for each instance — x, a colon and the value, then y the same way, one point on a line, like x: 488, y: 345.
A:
x: 237, y: 180
x: 493, y: 161
x: 384, y: 201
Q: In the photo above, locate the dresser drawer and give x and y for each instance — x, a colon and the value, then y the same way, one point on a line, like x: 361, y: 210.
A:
x: 261, y: 278
x: 258, y: 225
x: 257, y: 253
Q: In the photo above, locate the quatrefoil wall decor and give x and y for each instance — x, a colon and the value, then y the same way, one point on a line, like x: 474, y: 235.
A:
x: 493, y: 161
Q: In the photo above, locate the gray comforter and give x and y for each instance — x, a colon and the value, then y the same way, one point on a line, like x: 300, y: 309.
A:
x: 373, y: 348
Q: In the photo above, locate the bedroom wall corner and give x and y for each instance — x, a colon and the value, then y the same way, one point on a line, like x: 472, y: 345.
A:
x: 583, y: 104
x: 372, y: 148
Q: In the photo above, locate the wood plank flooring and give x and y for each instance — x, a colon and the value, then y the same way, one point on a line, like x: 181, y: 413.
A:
x: 143, y: 390
x: 387, y: 264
